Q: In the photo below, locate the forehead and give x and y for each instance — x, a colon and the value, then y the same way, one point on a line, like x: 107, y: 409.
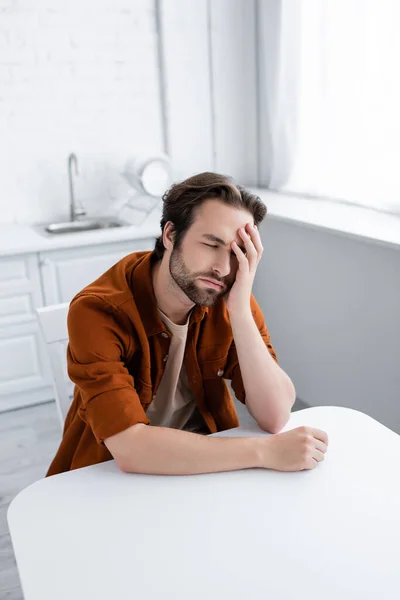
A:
x: 220, y: 219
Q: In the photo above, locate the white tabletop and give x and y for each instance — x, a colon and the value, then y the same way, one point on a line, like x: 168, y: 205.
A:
x: 326, y: 534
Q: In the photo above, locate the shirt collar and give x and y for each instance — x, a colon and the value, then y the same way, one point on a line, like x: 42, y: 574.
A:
x: 145, y: 299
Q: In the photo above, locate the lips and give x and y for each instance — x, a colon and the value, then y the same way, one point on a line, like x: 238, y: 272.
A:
x: 216, y: 284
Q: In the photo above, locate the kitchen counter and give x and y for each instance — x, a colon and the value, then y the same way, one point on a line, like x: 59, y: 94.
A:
x: 23, y: 239
x: 343, y: 219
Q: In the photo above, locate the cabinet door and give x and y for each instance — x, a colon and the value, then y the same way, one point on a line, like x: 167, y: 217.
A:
x: 67, y: 272
x: 24, y: 374
x: 24, y: 369
x: 20, y: 289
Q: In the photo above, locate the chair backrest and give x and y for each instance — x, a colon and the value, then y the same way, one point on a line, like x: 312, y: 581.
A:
x: 53, y: 324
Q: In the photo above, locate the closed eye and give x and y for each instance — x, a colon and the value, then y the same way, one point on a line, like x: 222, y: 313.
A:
x: 232, y: 252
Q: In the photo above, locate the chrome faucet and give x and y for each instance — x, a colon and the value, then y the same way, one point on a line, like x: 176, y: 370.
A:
x: 75, y: 211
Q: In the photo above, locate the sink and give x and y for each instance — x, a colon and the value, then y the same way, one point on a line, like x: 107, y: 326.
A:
x: 83, y: 225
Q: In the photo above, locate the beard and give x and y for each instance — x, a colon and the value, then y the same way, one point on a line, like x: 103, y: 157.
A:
x: 187, y: 281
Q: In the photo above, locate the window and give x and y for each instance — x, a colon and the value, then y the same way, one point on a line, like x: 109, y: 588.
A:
x: 330, y: 99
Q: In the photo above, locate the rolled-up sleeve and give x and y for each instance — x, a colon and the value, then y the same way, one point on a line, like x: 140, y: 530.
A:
x: 232, y: 369
x: 100, y: 338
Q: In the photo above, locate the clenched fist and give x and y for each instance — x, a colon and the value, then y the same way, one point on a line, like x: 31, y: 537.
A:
x: 294, y: 450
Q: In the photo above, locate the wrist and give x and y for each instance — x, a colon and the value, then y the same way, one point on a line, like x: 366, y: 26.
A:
x: 259, y: 450
x: 240, y: 314
x: 262, y: 451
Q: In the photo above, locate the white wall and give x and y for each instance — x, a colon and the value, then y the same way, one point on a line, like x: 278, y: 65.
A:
x: 107, y: 79
x: 209, y: 71
x: 234, y: 87
x: 185, y: 58
x: 332, y: 305
x: 75, y: 76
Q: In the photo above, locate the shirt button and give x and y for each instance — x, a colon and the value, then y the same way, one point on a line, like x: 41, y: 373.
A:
x: 165, y: 358
x: 165, y: 334
x: 220, y: 373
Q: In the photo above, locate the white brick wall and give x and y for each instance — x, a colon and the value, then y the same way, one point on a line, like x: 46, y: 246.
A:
x: 77, y: 76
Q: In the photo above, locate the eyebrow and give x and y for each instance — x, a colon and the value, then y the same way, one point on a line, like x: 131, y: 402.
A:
x: 217, y: 240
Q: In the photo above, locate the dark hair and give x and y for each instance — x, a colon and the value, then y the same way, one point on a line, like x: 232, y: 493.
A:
x: 182, y: 201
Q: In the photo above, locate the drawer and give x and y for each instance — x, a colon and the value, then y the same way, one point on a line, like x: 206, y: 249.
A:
x: 14, y: 270
x: 19, y: 273
x: 66, y: 272
x: 16, y: 308
x: 20, y: 289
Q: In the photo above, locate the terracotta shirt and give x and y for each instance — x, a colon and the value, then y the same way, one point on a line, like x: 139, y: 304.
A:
x: 117, y: 353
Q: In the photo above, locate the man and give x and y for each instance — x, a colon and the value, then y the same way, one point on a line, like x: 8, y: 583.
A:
x: 152, y: 341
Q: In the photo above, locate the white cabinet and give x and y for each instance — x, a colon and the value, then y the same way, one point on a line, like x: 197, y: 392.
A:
x: 65, y: 272
x: 33, y: 280
x: 24, y: 371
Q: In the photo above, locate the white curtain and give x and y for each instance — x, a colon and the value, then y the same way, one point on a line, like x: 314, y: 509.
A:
x: 330, y: 99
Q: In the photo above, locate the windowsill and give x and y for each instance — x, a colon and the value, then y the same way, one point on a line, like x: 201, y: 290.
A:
x: 343, y: 219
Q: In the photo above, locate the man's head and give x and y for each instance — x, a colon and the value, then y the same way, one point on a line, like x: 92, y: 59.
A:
x: 201, y: 217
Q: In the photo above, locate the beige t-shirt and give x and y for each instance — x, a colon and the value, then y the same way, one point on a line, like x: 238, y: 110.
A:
x: 174, y: 405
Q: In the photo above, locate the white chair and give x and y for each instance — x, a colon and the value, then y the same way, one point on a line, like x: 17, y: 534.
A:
x: 53, y: 324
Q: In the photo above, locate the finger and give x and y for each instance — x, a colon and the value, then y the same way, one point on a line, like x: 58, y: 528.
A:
x: 320, y: 435
x: 251, y: 252
x: 242, y: 260
x: 318, y: 456
x: 253, y: 239
x: 254, y: 233
x: 321, y: 446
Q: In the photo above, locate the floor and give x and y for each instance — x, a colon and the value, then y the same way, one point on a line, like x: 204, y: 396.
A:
x: 29, y: 438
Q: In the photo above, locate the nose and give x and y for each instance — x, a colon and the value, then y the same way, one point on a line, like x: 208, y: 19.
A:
x: 222, y: 265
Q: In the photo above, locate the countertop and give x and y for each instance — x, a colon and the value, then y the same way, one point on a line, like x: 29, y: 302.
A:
x: 343, y: 219
x: 22, y: 239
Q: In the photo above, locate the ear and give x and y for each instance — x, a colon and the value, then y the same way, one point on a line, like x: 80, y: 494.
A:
x: 169, y: 235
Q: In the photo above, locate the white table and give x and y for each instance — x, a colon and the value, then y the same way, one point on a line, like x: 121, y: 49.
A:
x: 332, y: 533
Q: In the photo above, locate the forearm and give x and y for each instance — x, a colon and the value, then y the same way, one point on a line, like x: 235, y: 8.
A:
x: 270, y: 393
x: 165, y: 451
